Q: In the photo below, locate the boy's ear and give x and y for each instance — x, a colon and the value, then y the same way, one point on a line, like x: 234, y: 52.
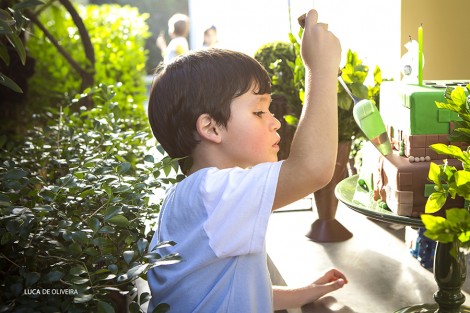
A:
x: 208, y: 129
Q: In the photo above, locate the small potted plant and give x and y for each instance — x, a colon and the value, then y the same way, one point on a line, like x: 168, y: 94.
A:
x: 452, y: 231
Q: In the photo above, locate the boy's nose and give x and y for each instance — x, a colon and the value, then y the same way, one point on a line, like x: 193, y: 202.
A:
x: 277, y: 123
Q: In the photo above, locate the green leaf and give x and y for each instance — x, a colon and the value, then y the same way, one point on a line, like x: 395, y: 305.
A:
x: 75, y: 249
x: 144, y: 297
x: 82, y: 298
x: 107, y: 230
x: 142, y: 245
x: 452, y: 151
x: 164, y: 244
x: 79, y: 280
x: 462, y: 178
x: 161, y: 308
x: 128, y: 256
x: 458, y: 96
x: 15, y: 174
x: 119, y: 220
x: 435, y: 202
x: 94, y: 224
x: 55, y: 276
x: 123, y: 168
x: 434, y: 173
x: 16, y: 42
x: 4, y: 56
x: 149, y: 158
x: 27, y: 4
x: 136, y: 271
x: 291, y: 120
x: 77, y: 270
x: 111, y: 211
x: 134, y: 307
x: 31, y: 278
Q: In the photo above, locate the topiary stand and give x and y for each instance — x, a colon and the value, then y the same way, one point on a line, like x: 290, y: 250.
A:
x: 326, y: 228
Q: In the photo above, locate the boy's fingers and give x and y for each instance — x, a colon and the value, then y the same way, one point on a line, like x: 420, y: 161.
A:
x: 312, y: 16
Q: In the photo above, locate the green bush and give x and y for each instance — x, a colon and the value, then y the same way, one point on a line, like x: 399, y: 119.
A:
x: 118, y: 36
x: 77, y: 211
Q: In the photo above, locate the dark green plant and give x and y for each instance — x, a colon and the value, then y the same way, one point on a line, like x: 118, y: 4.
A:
x: 450, y: 181
x: 12, y: 24
x: 78, y: 210
x: 118, y: 36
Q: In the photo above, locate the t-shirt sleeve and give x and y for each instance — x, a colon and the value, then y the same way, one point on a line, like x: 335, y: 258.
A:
x: 238, y: 203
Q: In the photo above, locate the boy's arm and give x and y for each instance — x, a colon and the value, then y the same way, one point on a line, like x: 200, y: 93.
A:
x: 287, y: 298
x: 312, y: 158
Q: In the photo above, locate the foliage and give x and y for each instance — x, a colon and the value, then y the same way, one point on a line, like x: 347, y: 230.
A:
x: 449, y: 181
x: 278, y: 57
x: 77, y: 211
x: 12, y: 23
x: 159, y: 13
x: 118, y: 36
x: 354, y: 73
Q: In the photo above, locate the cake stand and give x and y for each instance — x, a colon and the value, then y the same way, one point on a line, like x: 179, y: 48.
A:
x: 449, y: 297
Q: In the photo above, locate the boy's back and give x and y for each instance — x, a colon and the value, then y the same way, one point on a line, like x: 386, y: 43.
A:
x: 219, y: 220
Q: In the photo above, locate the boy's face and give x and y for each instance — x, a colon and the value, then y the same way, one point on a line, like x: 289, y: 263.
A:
x: 251, y: 135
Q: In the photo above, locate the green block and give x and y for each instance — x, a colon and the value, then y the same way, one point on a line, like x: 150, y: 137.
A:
x: 412, y: 109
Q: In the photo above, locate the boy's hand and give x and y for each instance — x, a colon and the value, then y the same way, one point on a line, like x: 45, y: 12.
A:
x: 321, y: 50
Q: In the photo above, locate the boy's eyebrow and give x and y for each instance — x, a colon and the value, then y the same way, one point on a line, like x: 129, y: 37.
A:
x: 265, y: 97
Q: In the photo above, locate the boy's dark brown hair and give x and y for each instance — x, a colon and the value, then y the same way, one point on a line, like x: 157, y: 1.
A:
x: 199, y: 82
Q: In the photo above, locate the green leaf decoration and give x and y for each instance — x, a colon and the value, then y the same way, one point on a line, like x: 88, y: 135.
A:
x: 434, y: 173
x: 458, y: 96
x: 451, y: 150
x: 291, y: 120
x: 435, y: 202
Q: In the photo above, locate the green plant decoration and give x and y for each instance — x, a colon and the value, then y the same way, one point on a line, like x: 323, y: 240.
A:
x: 78, y: 210
x: 450, y: 181
x: 290, y: 84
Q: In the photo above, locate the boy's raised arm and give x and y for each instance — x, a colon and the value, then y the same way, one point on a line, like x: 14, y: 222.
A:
x: 312, y: 158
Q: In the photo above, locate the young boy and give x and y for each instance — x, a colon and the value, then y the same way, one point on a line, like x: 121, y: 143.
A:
x: 178, y: 29
x: 212, y: 107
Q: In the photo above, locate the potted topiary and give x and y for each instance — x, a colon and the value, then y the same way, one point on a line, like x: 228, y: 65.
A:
x: 452, y: 231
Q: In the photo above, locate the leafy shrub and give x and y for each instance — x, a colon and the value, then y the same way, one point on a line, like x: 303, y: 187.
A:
x: 450, y: 181
x: 118, y: 36
x: 77, y: 211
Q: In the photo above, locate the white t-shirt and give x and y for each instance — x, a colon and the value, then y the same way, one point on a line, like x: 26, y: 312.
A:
x: 176, y: 47
x: 218, y: 218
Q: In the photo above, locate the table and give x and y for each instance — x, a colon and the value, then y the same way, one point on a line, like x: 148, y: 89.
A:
x: 449, y: 272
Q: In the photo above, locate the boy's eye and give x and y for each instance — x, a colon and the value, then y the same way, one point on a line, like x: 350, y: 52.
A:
x: 259, y: 113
